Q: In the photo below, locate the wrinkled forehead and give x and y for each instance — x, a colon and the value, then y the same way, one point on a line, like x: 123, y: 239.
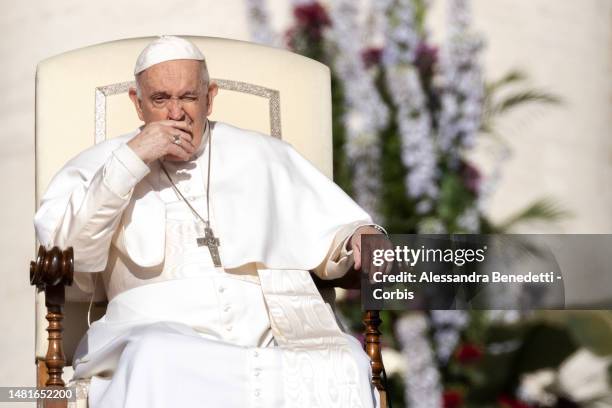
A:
x: 172, y: 76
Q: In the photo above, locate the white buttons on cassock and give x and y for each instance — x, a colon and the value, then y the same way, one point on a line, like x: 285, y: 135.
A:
x: 228, y: 328
x: 227, y: 308
x: 257, y: 379
x: 221, y: 289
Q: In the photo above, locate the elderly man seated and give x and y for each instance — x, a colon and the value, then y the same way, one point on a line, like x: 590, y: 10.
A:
x: 204, y: 235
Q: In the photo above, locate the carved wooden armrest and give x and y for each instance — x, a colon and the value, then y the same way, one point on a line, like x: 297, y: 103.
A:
x: 51, y: 272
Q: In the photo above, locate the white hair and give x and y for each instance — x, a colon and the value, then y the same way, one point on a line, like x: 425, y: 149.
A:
x: 205, y: 78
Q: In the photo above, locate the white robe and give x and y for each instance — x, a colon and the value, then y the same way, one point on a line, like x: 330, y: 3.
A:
x: 277, y: 218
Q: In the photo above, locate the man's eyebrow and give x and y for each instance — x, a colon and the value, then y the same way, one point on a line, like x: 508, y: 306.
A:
x: 159, y: 93
x: 167, y: 95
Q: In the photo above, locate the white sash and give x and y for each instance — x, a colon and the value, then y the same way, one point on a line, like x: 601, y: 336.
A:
x: 317, y: 362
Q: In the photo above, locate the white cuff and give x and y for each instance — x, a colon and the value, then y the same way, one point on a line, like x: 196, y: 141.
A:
x: 124, y: 170
x: 344, y: 250
x: 341, y: 259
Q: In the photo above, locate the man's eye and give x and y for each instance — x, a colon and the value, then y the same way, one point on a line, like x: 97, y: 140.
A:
x: 158, y: 99
x: 189, y: 98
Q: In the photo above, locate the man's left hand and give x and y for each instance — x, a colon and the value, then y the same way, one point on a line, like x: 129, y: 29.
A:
x: 352, y: 279
x: 355, y: 242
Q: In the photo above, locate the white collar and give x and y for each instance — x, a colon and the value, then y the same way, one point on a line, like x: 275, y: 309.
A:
x: 203, y: 142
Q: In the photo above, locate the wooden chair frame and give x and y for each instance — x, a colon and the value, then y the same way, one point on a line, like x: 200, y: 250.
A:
x: 53, y: 270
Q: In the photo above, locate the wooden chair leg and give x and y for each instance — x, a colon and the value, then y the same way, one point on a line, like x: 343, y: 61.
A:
x: 51, y: 272
x: 372, y: 321
x: 55, y: 358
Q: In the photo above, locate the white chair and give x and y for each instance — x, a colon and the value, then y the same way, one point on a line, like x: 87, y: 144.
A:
x: 266, y: 89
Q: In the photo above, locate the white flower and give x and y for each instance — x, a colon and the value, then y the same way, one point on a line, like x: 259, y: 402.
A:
x: 469, y: 220
x: 461, y: 81
x: 259, y: 22
x: 422, y: 379
x: 533, y: 387
x: 584, y: 376
x: 394, y: 362
x: 448, y: 325
x: 403, y: 82
x: 366, y: 114
x: 504, y: 316
x: 431, y: 226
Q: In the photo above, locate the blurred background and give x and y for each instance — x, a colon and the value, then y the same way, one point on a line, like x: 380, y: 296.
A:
x: 449, y: 116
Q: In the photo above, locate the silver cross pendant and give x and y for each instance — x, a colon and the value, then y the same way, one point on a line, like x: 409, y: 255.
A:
x: 209, y: 240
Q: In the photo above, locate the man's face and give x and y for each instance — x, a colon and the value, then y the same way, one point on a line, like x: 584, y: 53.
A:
x: 175, y: 90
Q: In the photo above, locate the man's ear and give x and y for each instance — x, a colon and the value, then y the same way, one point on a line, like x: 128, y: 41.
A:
x: 213, y: 89
x: 137, y: 103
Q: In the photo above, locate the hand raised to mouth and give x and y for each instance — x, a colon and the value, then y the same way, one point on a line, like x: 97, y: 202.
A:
x: 167, y: 138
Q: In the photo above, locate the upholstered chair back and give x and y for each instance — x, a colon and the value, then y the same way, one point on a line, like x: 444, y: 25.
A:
x: 82, y: 99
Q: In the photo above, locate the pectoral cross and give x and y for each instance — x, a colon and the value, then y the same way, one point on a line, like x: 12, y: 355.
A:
x: 212, y: 243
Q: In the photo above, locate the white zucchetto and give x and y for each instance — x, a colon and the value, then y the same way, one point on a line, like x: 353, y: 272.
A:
x: 166, y: 48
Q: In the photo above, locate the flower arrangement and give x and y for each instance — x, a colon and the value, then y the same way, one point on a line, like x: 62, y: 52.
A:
x: 406, y: 114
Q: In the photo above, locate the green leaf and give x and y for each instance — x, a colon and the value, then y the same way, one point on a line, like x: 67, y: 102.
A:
x: 496, y: 104
x: 591, y: 329
x: 453, y: 200
x: 558, y: 342
x: 521, y: 98
x: 510, y: 78
x: 544, y: 209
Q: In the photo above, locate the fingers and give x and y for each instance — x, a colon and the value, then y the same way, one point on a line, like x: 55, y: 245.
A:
x: 182, y: 125
x: 357, y: 256
x: 184, y: 146
x: 178, y: 151
x: 166, y: 137
x: 184, y: 140
x: 177, y: 142
x: 363, y: 250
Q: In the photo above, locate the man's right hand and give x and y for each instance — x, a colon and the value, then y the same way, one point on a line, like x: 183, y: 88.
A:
x: 157, y: 140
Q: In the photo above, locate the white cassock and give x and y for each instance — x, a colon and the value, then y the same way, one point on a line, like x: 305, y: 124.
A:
x: 179, y: 331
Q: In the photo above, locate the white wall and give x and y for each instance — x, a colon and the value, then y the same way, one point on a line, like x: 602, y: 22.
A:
x: 32, y: 31
x: 566, y: 152
x: 562, y: 152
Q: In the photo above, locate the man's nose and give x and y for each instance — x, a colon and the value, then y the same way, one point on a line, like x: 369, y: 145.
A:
x: 175, y: 109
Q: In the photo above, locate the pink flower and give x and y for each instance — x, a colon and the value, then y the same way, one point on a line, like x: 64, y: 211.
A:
x: 353, y: 295
x: 506, y: 401
x: 426, y: 59
x: 452, y: 399
x: 312, y: 18
x: 371, y: 56
x: 471, y: 177
x: 468, y: 353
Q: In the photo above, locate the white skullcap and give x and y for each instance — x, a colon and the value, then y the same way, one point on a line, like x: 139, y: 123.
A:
x: 166, y: 48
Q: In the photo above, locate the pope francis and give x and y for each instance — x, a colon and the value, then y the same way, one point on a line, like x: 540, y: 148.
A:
x: 204, y: 235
